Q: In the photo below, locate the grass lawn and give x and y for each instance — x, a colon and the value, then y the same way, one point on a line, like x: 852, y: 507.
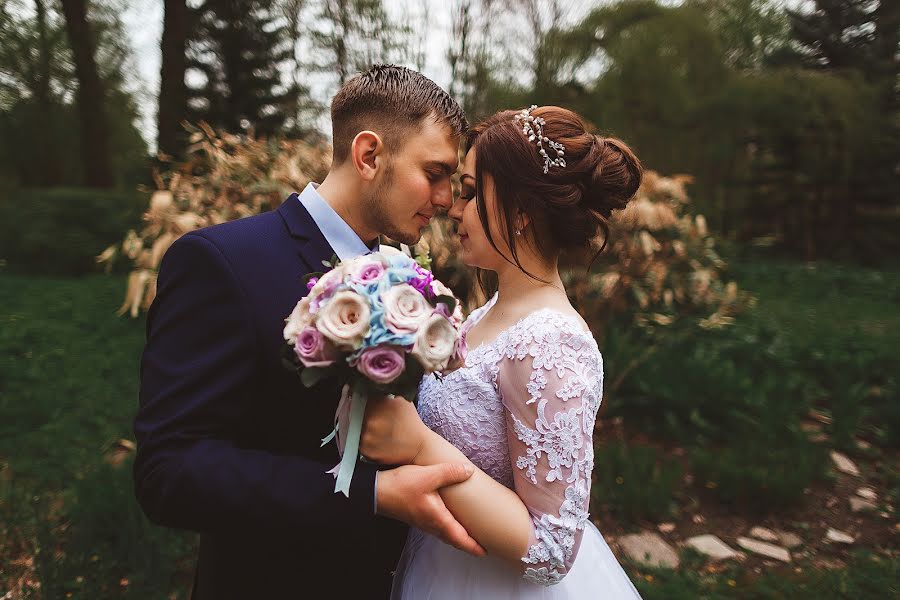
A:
x: 68, y: 392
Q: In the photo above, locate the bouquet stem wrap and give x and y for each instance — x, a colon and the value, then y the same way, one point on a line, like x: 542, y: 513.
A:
x: 343, y: 472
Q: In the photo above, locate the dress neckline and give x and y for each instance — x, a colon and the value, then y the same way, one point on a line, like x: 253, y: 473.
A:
x: 490, y: 303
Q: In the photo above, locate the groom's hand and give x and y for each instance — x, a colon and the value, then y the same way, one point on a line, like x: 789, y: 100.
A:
x: 410, y: 494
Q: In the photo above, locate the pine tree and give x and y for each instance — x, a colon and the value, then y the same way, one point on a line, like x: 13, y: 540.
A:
x: 848, y: 34
x: 348, y: 36
x: 237, y: 48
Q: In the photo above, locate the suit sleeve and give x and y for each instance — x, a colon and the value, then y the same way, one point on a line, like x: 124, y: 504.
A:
x: 196, y: 375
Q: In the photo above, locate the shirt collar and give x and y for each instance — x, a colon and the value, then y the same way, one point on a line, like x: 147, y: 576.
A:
x: 340, y: 236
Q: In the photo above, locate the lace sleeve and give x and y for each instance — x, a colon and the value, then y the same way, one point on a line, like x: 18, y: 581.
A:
x: 550, y: 381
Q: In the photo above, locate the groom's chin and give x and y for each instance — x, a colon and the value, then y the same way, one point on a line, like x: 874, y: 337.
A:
x: 409, y: 238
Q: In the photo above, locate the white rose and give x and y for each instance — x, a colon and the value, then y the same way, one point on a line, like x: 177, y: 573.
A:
x: 435, y: 343
x: 344, y: 320
x: 328, y: 281
x: 405, y: 309
x: 386, y: 250
x: 439, y: 289
x: 297, y: 321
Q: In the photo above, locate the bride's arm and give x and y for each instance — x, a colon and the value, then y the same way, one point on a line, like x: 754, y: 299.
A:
x: 492, y: 513
x: 550, y: 389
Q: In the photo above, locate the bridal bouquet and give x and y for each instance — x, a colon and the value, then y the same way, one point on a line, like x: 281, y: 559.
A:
x: 379, y: 322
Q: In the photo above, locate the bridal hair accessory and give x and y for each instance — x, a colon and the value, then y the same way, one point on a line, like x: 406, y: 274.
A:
x: 533, y: 128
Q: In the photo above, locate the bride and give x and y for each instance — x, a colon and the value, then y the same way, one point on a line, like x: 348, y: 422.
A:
x: 521, y: 410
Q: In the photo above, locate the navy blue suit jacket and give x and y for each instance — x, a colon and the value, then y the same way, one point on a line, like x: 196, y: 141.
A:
x: 229, y: 440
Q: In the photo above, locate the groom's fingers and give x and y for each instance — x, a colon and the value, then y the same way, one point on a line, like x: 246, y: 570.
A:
x: 450, y: 529
x: 456, y: 535
x: 445, y: 474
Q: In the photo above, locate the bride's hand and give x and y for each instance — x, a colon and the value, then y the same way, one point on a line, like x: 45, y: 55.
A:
x: 393, y: 433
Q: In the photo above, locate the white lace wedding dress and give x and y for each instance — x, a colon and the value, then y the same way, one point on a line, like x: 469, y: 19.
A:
x: 522, y: 409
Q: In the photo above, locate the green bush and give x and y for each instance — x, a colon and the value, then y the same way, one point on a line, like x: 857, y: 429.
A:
x: 634, y: 482
x: 693, y: 386
x: 60, y: 231
x: 759, y: 473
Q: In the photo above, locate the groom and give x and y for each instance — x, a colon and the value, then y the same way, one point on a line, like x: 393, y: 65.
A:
x: 228, y: 439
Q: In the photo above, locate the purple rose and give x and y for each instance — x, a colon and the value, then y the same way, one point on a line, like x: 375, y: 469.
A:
x: 314, y: 350
x: 312, y: 281
x: 422, y: 283
x: 382, y: 364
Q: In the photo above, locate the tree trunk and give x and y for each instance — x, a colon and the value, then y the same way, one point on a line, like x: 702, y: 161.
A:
x: 172, y: 88
x: 91, y: 99
x: 52, y: 169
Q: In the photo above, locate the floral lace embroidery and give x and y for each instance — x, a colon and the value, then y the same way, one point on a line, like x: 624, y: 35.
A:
x: 466, y: 409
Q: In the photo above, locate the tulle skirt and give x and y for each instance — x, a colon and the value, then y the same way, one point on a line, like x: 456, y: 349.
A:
x: 431, y: 570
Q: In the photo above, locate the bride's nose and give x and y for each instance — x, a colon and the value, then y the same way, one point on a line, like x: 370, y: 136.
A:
x: 456, y: 210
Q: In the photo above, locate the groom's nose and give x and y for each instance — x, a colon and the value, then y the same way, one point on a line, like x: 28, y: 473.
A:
x: 442, y: 197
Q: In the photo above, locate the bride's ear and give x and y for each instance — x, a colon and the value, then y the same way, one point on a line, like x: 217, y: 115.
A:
x: 522, y: 220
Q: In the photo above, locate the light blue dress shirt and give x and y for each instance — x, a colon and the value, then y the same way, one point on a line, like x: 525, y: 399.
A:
x: 342, y: 239
x: 340, y: 236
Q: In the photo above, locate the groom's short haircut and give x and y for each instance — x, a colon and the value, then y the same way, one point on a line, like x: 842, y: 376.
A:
x: 393, y: 102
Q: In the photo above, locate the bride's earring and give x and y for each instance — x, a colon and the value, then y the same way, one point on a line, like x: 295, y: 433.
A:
x: 518, y: 232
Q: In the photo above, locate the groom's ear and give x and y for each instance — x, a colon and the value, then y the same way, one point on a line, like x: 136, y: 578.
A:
x: 367, y: 154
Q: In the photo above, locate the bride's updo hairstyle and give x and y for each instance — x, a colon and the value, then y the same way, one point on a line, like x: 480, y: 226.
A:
x: 569, y: 206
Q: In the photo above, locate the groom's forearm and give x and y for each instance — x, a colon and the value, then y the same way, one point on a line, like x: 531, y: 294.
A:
x: 492, y: 513
x: 211, y: 485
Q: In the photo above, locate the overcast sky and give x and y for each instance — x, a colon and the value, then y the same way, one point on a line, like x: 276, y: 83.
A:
x: 143, y: 22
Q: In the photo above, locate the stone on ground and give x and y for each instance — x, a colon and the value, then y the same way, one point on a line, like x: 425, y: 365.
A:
x: 860, y: 505
x: 844, y: 464
x: 761, y: 533
x: 834, y: 535
x: 867, y: 493
x: 765, y: 549
x: 711, y: 546
x: 789, y: 540
x: 648, y: 548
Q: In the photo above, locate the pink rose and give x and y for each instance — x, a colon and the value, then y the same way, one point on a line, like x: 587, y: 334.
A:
x: 325, y: 287
x: 344, y: 320
x: 314, y: 350
x: 405, y: 309
x: 435, y: 343
x: 382, y: 364
x: 298, y: 320
x: 366, y: 269
x: 458, y: 360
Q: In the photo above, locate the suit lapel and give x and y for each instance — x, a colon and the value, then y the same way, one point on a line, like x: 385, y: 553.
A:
x: 312, y: 247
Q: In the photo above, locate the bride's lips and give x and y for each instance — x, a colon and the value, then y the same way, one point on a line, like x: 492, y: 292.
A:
x: 463, y: 237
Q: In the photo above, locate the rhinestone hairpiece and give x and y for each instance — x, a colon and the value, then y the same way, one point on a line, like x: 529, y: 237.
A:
x: 533, y: 128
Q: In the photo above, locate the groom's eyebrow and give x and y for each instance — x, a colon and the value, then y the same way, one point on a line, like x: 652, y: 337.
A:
x: 445, y: 168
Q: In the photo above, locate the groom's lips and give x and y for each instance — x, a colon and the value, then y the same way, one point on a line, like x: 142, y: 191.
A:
x: 426, y: 219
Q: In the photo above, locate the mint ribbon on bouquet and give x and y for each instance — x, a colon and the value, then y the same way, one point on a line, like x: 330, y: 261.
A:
x: 344, y: 470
